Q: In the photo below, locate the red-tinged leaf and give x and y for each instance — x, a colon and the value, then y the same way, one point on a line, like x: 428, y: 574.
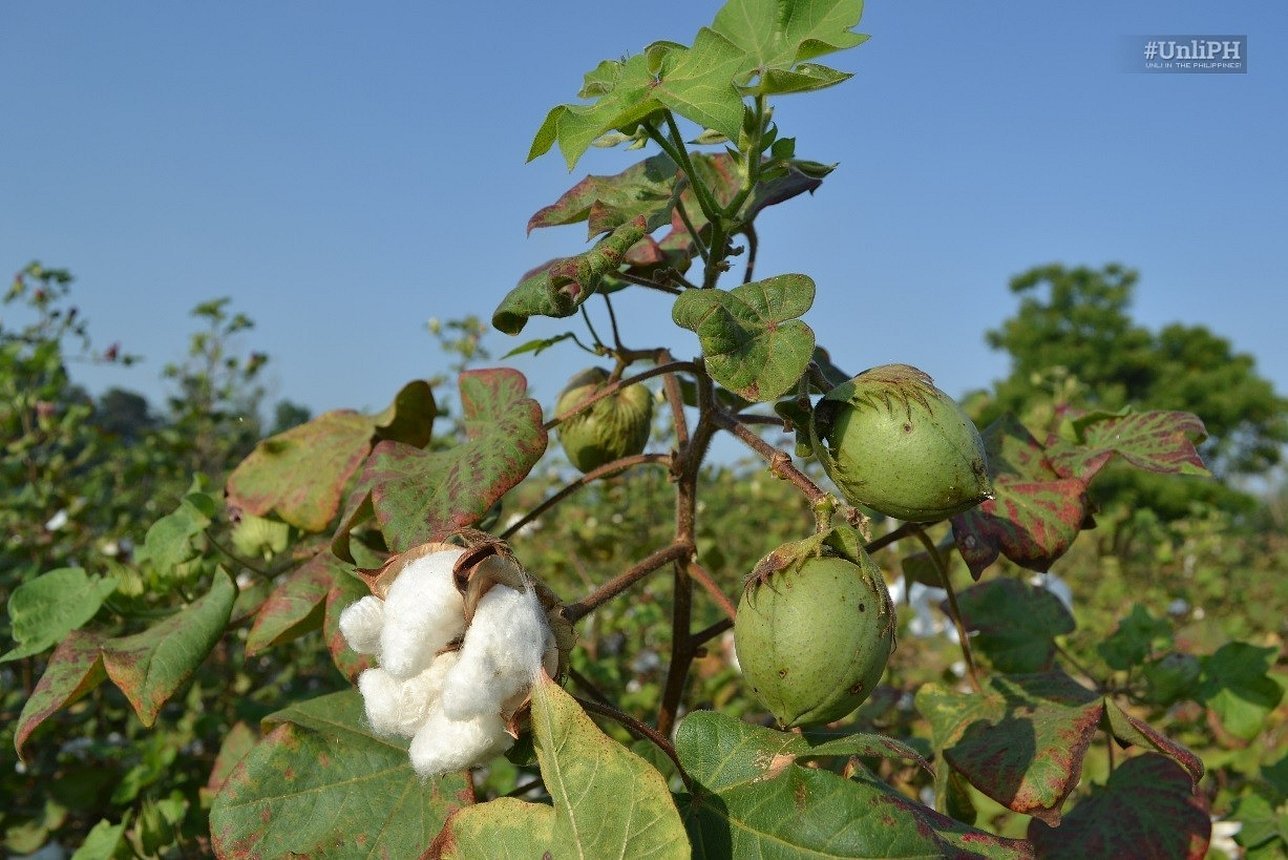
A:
x: 296, y: 603
x: 239, y: 741
x: 1146, y: 811
x: 345, y: 590
x: 1016, y: 623
x: 1021, y: 742
x: 607, y: 202
x: 419, y: 496
x: 1031, y: 523
x: 1130, y: 731
x: 151, y: 666
x: 319, y: 784
x: 300, y: 474
x: 1152, y: 441
x: 558, y: 288
x: 75, y: 668
x: 1012, y: 451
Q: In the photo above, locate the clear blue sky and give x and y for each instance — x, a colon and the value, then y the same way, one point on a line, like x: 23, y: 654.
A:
x: 345, y: 171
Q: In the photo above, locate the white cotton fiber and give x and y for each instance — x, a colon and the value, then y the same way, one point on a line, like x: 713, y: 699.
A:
x: 398, y: 707
x: 500, y: 656
x: 361, y: 623
x: 443, y: 745
x: 380, y: 696
x: 423, y: 612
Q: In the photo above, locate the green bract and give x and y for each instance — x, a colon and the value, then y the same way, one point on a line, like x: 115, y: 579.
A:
x: 616, y: 426
x: 890, y: 440
x: 814, y: 631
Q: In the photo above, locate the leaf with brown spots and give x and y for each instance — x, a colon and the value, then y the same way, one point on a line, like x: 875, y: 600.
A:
x: 320, y: 785
x: 295, y: 605
x: 300, y: 474
x: 1147, y: 811
x: 1021, y: 742
x: 502, y: 829
x: 345, y: 589
x: 420, y: 496
x: 751, y: 800
x: 75, y: 668
x: 152, y: 666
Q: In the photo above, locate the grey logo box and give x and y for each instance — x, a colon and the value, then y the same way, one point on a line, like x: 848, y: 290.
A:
x: 1187, y: 54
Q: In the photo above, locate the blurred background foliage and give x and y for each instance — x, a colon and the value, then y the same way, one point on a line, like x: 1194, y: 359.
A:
x: 1179, y: 594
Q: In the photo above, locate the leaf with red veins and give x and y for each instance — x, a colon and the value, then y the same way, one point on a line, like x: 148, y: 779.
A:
x: 1147, y: 810
x: 1021, y: 742
x: 420, y: 496
x: 1031, y: 523
x: 1158, y: 441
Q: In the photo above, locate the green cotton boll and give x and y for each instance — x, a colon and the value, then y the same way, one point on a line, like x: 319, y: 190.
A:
x: 813, y: 638
x: 614, y: 427
x: 891, y: 441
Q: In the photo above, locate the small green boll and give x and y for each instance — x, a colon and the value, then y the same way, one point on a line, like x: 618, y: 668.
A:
x: 892, y: 441
x: 616, y: 426
x: 813, y: 637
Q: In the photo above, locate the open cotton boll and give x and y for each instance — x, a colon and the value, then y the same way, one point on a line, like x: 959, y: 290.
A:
x: 361, y: 624
x: 423, y: 612
x: 443, y: 745
x: 501, y: 653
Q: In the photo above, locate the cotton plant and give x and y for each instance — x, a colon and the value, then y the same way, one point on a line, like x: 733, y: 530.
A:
x: 459, y: 636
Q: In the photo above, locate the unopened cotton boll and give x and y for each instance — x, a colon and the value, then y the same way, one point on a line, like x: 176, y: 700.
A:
x: 361, y: 624
x: 502, y: 652
x: 423, y: 612
x: 443, y: 745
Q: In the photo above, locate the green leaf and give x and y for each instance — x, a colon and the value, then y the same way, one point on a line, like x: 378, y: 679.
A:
x: 1153, y: 441
x: 1021, y: 742
x: 1146, y: 809
x: 1237, y: 685
x: 1136, y: 637
x: 418, y: 496
x: 102, y: 842
x: 751, y: 799
x: 319, y: 784
x: 44, y: 610
x: 295, y: 606
x: 696, y: 83
x: 151, y: 666
x: 75, y: 668
x: 558, y: 288
x: 1034, y: 515
x: 502, y: 829
x: 751, y: 340
x: 1130, y: 731
x: 1017, y: 623
x: 536, y: 347
x: 777, y: 36
x: 168, y: 542
x: 300, y: 474
x: 588, y: 775
x: 1261, y: 824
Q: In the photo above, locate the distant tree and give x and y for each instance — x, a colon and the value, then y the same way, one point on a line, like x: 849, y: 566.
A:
x: 288, y: 414
x: 124, y: 414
